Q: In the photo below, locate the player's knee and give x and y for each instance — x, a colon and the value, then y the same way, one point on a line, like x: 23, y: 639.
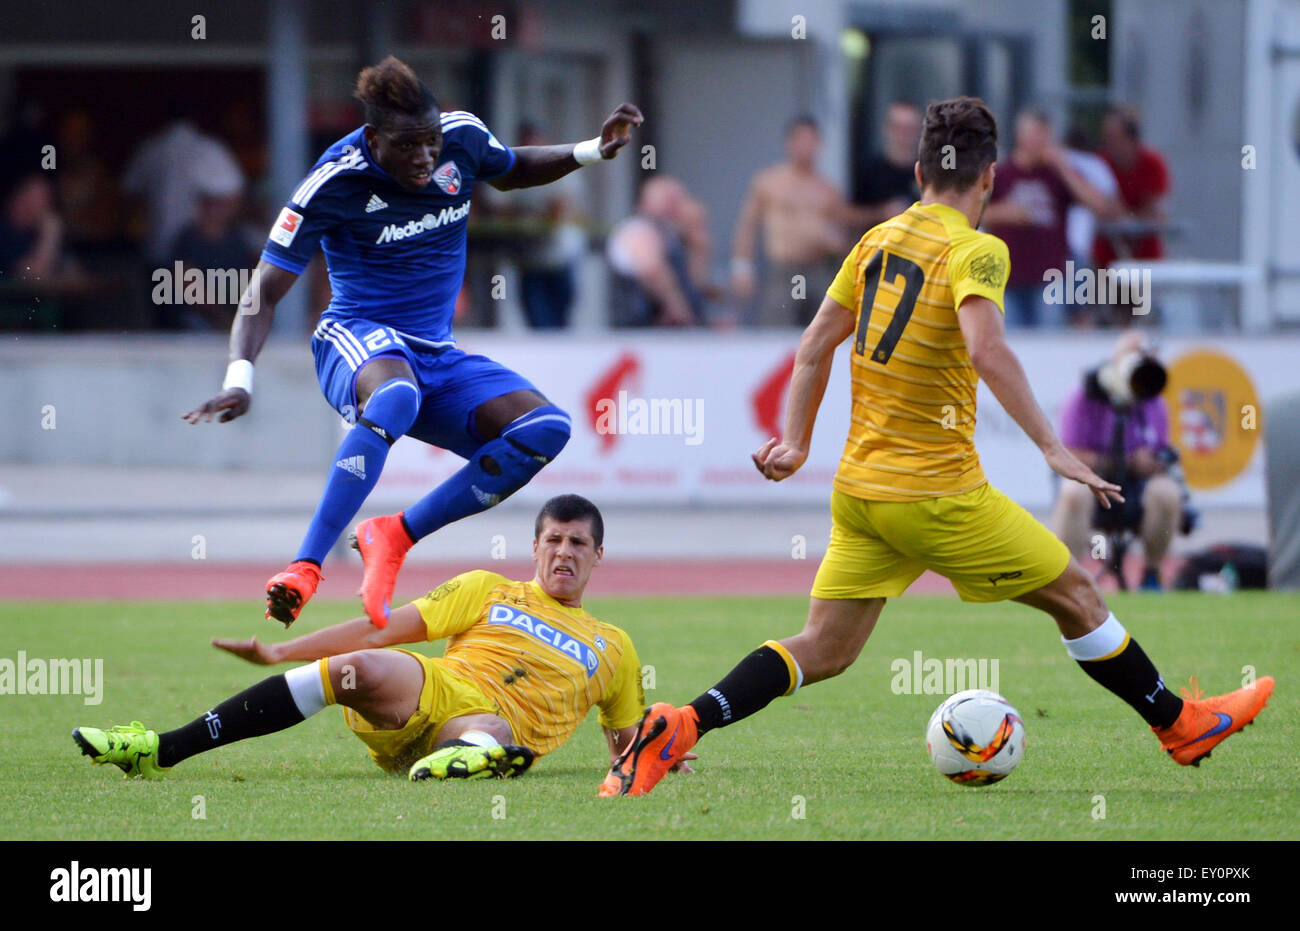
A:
x: 392, y: 407
x: 353, y: 676
x: 539, y: 434
x: 523, y: 449
x: 499, y: 731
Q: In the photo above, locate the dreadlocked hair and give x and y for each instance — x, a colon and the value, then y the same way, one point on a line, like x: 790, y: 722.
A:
x: 390, y: 89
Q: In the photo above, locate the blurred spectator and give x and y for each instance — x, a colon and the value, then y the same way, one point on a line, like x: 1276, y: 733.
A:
x: 1032, y: 191
x: 693, y: 224
x: 31, y: 234
x: 246, y: 139
x: 885, y: 183
x: 24, y: 139
x: 165, y: 171
x: 213, y: 242
x: 650, y: 254
x: 1081, y: 221
x: 1143, y: 183
x: 1118, y: 424
x: 550, y: 251
x: 802, y: 216
x: 87, y: 194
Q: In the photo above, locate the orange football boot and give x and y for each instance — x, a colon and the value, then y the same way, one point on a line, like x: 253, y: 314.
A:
x: 383, y: 544
x: 289, y: 591
x: 663, y: 737
x: 1205, y: 723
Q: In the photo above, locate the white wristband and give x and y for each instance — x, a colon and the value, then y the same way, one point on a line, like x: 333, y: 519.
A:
x: 239, y: 374
x: 587, y: 153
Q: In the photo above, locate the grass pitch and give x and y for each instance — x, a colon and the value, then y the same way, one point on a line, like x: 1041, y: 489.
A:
x: 841, y: 760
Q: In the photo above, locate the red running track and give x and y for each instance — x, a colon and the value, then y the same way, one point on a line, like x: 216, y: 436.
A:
x: 175, y: 581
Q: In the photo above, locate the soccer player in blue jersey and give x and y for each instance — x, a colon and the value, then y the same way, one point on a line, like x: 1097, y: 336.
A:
x: 388, y: 204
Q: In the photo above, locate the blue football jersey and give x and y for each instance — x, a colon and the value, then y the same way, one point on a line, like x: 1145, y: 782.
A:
x: 395, y: 257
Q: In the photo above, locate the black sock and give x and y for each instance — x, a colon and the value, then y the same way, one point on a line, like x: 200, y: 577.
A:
x: 262, y: 709
x: 757, y: 679
x: 1132, y: 676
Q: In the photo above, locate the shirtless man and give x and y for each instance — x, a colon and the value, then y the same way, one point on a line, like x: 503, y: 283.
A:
x: 803, y: 218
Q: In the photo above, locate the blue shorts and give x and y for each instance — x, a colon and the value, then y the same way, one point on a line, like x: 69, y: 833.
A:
x: 452, y: 383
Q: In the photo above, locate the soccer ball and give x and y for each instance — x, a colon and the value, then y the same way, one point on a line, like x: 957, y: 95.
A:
x: 975, y: 738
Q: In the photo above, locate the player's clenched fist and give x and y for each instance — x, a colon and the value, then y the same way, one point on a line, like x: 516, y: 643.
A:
x: 617, y: 129
x: 231, y: 403
x: 778, y: 460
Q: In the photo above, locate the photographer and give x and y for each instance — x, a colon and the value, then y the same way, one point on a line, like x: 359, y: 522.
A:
x: 1117, y: 423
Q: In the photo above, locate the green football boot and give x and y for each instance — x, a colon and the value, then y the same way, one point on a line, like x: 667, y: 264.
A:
x: 129, y: 747
x: 468, y: 762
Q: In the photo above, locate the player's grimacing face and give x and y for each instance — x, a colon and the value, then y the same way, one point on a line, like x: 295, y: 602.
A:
x: 565, y: 553
x: 408, y: 148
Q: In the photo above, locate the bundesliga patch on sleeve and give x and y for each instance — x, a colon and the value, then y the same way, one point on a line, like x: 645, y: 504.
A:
x: 286, y: 227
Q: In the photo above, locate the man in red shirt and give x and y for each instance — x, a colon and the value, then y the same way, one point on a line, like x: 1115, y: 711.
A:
x: 1143, y: 184
x: 1033, y: 190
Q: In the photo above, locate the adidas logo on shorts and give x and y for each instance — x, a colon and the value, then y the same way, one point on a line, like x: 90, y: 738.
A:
x: 356, y: 465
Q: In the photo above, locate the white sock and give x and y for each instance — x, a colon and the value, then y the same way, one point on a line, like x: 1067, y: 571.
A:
x: 307, y: 689
x: 479, y: 739
x: 1107, y: 639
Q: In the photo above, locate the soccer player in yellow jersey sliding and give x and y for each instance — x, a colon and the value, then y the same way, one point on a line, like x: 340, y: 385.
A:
x: 524, y: 664
x: 921, y: 296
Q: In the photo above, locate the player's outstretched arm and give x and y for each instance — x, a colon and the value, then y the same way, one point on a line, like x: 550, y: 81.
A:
x: 247, y: 337
x: 541, y: 164
x: 404, y: 626
x: 778, y: 459
x: 982, y: 330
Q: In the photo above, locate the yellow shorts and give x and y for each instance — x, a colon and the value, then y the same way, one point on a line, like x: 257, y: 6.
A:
x: 443, y: 697
x: 989, y: 547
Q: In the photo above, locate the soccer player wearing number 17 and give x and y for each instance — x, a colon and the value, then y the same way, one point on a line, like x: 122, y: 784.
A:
x: 921, y: 295
x: 389, y: 204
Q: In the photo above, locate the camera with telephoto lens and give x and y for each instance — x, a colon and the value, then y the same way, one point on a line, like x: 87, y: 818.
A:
x: 1134, y: 376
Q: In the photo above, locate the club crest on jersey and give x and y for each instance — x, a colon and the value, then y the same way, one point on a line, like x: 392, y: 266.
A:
x: 571, y: 647
x: 447, y: 177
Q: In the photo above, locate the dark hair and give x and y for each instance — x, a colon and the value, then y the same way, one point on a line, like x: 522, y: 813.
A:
x: 1128, y: 118
x: 966, y: 124
x: 1081, y: 138
x: 803, y: 119
x: 391, y: 89
x: 1036, y: 113
x: 564, y: 508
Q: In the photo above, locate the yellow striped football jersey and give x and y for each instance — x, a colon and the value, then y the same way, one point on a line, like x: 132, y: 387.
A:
x: 542, y: 663
x: 913, y: 417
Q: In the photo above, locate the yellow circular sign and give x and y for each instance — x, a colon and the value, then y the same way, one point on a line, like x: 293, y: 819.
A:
x: 1214, y: 416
